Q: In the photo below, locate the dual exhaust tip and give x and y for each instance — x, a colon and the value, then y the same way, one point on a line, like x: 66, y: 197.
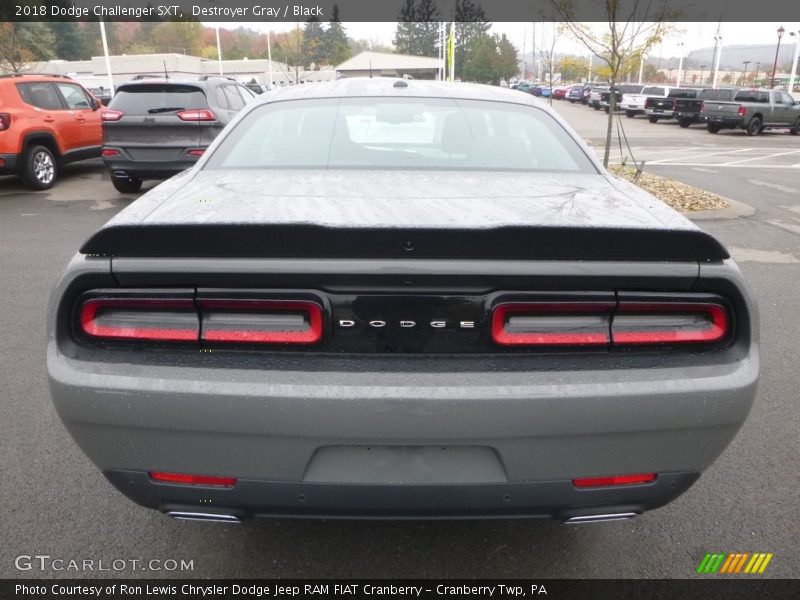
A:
x: 225, y: 518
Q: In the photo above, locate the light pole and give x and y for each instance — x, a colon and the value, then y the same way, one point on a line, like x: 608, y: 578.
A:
x: 702, y: 71
x: 744, y: 77
x: 641, y: 68
x: 680, y: 65
x: 777, y: 50
x: 717, y: 42
x: 794, y: 60
x: 755, y: 77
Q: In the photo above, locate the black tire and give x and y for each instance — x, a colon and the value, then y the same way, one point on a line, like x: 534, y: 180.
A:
x: 127, y: 185
x: 630, y: 114
x: 753, y: 127
x: 39, y: 168
x: 653, y: 119
x: 684, y: 123
x: 595, y: 106
x: 796, y: 129
x: 606, y: 109
x: 712, y: 128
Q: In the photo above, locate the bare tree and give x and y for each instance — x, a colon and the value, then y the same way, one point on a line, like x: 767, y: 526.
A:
x: 633, y: 27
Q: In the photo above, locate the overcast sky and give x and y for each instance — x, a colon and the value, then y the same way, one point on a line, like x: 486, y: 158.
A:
x: 694, y: 35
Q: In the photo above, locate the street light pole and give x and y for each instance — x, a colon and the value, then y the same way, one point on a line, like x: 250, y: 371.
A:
x: 717, y: 40
x: 755, y: 77
x: 680, y: 65
x: 641, y: 68
x: 702, y: 71
x: 794, y: 60
x: 777, y: 50
x: 744, y: 77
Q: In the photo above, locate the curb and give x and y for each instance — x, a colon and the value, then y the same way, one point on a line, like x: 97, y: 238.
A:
x: 734, y: 210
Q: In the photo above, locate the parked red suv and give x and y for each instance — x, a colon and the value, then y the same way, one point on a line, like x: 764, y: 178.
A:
x: 46, y: 121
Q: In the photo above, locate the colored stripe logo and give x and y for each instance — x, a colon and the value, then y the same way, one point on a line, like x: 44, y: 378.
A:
x: 733, y: 563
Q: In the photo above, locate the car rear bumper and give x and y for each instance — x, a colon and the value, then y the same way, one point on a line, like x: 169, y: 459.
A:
x: 724, y: 121
x: 247, y: 498
x: 8, y: 164
x: 661, y: 114
x: 331, y: 436
x: 122, y: 166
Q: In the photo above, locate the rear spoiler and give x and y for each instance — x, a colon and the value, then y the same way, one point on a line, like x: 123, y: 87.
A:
x: 316, y: 241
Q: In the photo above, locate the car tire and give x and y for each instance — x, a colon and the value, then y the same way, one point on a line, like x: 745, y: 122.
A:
x: 753, y: 127
x: 684, y: 123
x: 39, y: 168
x: 630, y: 114
x: 796, y: 129
x: 594, y: 106
x: 606, y: 109
x: 653, y: 119
x: 712, y: 128
x: 127, y: 185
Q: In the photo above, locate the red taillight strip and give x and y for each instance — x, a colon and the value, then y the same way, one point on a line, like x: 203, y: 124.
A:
x: 91, y: 327
x: 186, y: 479
x: 549, y: 338
x: 196, y: 114
x: 714, y: 332
x: 613, y: 480
x: 310, y: 335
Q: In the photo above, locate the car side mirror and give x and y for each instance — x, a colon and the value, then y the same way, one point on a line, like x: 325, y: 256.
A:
x: 96, y: 104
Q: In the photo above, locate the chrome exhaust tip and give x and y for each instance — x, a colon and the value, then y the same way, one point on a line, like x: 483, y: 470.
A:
x: 199, y: 516
x: 600, y: 518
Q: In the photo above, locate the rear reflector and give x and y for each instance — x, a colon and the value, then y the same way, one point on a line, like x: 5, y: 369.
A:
x: 140, y: 319
x: 665, y: 323
x: 196, y: 152
x: 110, y: 152
x: 185, y: 479
x: 261, y: 321
x: 110, y: 115
x: 613, y: 480
x: 556, y: 324
x: 196, y: 115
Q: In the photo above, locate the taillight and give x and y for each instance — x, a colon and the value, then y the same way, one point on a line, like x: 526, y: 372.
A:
x: 199, y: 114
x: 668, y: 323
x: 110, y: 152
x: 551, y: 324
x: 186, y: 479
x: 614, y: 480
x: 261, y: 321
x: 742, y: 111
x: 110, y: 115
x: 196, y: 152
x: 152, y: 319
x: 702, y: 107
x: 5, y: 121
x: 597, y: 324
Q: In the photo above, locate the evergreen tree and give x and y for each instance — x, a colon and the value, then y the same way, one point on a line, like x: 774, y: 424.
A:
x: 314, y: 43
x: 470, y: 24
x: 417, y: 28
x: 337, y: 46
x: 71, y: 42
x: 507, y: 62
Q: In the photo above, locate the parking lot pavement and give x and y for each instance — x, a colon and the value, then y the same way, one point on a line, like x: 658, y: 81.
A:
x: 56, y: 503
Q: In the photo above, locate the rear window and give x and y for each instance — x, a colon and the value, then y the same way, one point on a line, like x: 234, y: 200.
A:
x: 653, y: 91
x: 682, y: 93
x: 630, y: 89
x: 721, y: 95
x: 399, y: 133
x: 153, y: 98
x: 752, y: 96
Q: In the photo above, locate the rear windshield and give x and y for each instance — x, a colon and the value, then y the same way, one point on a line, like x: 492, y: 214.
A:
x: 400, y: 133
x: 653, y: 91
x: 679, y: 93
x: 630, y: 89
x: 722, y: 95
x: 153, y: 98
x: 752, y: 96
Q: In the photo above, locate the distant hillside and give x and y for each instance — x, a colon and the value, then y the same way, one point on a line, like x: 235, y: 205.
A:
x: 733, y: 56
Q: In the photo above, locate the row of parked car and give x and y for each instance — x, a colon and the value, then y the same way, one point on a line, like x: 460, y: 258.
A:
x: 152, y: 128
x: 752, y: 110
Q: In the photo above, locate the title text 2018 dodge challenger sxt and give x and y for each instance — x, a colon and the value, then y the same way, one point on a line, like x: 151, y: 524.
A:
x: 381, y: 298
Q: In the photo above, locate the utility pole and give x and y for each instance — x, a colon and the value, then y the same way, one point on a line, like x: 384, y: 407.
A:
x: 717, y: 55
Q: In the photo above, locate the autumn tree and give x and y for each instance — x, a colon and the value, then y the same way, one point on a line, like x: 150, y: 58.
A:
x: 21, y: 43
x: 631, y: 29
x: 573, y: 68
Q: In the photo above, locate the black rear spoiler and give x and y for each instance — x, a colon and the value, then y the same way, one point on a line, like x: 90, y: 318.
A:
x: 315, y: 241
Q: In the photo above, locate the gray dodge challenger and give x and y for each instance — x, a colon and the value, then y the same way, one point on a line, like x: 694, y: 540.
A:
x: 380, y: 298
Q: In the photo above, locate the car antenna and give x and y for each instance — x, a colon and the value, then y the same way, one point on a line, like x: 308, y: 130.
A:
x: 370, y: 69
x: 166, y: 75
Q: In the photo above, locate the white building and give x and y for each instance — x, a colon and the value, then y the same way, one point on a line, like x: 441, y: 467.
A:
x: 384, y: 64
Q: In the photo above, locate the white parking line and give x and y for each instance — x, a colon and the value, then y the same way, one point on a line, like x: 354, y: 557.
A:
x: 768, y: 156
x: 665, y: 160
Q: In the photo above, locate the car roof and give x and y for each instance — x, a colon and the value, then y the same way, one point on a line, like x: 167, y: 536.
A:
x: 17, y: 77
x: 390, y: 87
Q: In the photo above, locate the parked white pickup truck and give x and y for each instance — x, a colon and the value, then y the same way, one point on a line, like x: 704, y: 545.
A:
x: 633, y: 104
